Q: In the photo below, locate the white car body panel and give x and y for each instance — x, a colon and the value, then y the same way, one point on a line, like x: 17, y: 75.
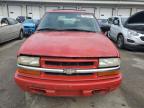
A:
x: 115, y: 30
x: 9, y: 32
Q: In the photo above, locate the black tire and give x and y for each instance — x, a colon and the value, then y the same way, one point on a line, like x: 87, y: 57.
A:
x: 120, y: 42
x: 108, y: 35
x: 21, y: 35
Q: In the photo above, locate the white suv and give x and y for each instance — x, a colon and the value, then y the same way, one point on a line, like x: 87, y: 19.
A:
x: 125, y: 37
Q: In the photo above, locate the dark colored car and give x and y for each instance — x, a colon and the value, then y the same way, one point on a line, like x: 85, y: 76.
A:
x: 104, y: 23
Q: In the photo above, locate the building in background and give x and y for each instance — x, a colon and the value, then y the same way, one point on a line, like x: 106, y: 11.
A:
x: 100, y: 8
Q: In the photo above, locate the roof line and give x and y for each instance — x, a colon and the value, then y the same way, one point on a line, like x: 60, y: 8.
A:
x: 82, y: 2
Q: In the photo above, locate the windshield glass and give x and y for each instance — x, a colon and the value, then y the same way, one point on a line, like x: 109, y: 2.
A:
x: 102, y: 20
x: 28, y: 21
x: 69, y: 21
x: 123, y: 20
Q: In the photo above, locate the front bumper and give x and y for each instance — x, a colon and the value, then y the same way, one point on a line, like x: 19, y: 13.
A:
x: 29, y: 31
x: 68, y: 85
x: 135, y: 42
x: 135, y: 47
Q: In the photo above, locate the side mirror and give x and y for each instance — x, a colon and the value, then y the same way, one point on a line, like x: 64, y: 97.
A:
x: 116, y: 22
x: 105, y: 28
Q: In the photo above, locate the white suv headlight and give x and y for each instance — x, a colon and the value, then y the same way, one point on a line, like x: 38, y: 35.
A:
x: 109, y: 62
x: 29, y: 61
x: 132, y: 33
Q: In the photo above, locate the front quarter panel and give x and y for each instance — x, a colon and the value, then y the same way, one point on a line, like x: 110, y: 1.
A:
x: 124, y: 33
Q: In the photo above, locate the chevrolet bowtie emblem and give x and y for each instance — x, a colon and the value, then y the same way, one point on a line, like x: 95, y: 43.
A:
x: 69, y: 71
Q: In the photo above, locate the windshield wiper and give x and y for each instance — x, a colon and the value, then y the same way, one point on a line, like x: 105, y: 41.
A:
x: 77, y: 30
x: 48, y: 29
x: 55, y: 29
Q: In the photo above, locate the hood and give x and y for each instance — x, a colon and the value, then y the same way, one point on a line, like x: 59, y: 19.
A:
x: 69, y: 44
x: 28, y: 24
x: 136, y: 22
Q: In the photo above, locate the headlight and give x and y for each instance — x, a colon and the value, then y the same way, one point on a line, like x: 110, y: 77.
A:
x: 29, y: 61
x: 132, y: 33
x: 109, y: 62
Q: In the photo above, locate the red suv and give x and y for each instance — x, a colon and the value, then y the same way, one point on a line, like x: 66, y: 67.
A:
x: 68, y: 55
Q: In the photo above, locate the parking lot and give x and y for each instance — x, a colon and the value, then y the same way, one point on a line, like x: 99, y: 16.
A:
x: 129, y: 95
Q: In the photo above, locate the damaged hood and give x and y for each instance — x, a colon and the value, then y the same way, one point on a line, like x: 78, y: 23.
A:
x: 136, y: 22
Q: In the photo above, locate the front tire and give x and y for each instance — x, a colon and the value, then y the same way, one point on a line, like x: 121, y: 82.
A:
x: 108, y: 35
x: 120, y: 42
x: 21, y: 35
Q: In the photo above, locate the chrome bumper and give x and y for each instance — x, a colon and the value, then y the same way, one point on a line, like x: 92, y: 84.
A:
x: 68, y: 71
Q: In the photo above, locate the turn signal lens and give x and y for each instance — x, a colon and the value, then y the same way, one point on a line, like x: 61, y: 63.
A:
x: 29, y: 72
x: 108, y: 73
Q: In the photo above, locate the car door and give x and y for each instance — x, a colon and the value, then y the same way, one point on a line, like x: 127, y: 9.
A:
x: 115, y: 28
x: 117, y: 23
x: 15, y: 28
x: 4, y: 30
x: 112, y: 29
x: 18, y: 27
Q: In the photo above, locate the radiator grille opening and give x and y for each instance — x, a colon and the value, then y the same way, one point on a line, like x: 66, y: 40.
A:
x: 69, y: 63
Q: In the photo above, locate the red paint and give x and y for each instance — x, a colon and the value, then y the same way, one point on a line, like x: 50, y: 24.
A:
x: 68, y: 46
x: 52, y: 85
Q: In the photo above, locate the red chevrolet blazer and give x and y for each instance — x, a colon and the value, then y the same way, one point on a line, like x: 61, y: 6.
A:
x: 68, y: 55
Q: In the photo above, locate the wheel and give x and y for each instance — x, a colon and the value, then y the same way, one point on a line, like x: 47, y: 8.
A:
x: 21, y: 35
x: 108, y: 35
x: 120, y: 42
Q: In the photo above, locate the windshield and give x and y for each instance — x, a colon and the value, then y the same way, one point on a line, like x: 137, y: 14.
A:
x: 69, y: 21
x: 28, y: 21
x: 123, y: 20
x: 102, y: 20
